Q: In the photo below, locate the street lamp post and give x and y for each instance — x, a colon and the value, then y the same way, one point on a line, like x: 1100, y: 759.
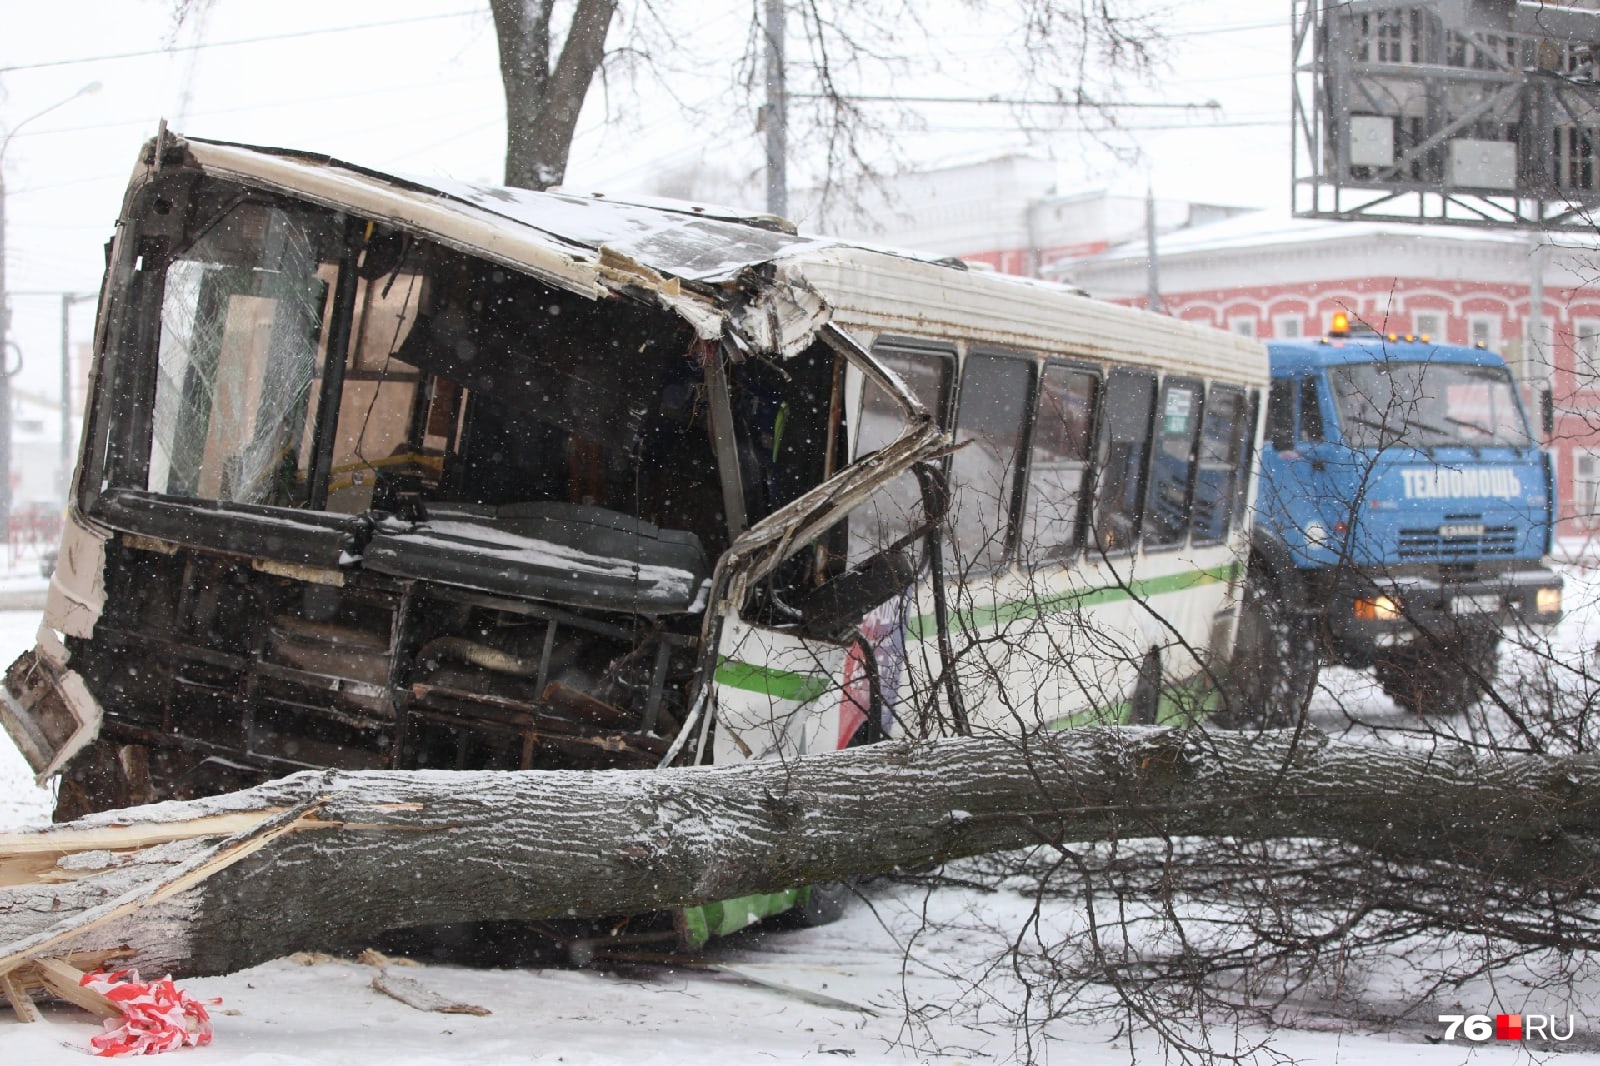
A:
x: 64, y: 470
x: 7, y: 347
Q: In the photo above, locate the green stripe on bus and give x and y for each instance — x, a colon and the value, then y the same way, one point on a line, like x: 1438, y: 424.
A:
x: 780, y: 684
x: 726, y: 916
x: 974, y: 619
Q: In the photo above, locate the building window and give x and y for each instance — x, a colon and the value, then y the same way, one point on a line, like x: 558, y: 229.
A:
x: 1574, y: 157
x: 1244, y: 327
x: 1429, y: 324
x: 1586, y: 486
x: 1286, y: 326
x: 1586, y: 352
x: 1484, y: 330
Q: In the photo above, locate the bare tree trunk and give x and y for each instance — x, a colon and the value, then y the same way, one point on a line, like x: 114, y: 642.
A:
x: 324, y: 857
x: 543, y: 102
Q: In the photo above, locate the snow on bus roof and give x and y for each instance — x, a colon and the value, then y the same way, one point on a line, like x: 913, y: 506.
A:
x: 695, y: 242
x: 596, y: 245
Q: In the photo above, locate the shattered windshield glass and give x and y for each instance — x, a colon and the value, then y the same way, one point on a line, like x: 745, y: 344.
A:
x: 1428, y: 405
x: 240, y: 328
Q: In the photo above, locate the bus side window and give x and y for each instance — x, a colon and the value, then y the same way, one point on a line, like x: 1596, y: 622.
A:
x: 1222, y: 455
x: 894, y: 509
x: 1310, y: 411
x: 1177, y: 424
x: 990, y: 420
x: 926, y: 374
x: 1058, y: 464
x: 1280, y: 415
x: 1122, y: 451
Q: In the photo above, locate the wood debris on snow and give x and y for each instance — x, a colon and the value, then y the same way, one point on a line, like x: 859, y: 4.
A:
x: 59, y: 977
x: 417, y: 997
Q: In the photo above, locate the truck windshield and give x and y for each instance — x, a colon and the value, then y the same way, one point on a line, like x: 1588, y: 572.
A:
x: 1427, y: 405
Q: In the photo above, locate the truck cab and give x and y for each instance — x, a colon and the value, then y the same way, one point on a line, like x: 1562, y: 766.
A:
x: 1403, y: 519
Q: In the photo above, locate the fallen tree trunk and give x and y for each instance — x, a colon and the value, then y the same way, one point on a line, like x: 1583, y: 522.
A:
x: 219, y: 884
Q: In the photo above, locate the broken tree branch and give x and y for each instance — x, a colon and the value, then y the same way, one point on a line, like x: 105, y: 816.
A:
x: 395, y: 849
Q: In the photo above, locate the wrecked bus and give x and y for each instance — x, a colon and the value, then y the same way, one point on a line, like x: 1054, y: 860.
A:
x: 379, y: 473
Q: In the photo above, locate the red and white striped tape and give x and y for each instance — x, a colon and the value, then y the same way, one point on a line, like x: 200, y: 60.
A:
x: 157, y: 1016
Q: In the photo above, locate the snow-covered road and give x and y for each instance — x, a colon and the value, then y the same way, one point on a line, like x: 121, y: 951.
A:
x: 921, y: 963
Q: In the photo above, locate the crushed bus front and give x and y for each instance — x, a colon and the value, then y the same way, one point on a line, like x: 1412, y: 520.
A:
x: 374, y: 476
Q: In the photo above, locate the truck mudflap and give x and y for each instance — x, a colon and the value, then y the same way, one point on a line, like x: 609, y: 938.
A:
x: 46, y: 708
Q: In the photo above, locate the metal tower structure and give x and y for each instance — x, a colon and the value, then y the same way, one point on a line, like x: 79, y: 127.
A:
x: 1466, y: 112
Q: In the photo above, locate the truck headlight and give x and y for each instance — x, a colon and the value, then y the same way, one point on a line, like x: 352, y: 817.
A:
x: 1548, y: 601
x: 1377, y: 609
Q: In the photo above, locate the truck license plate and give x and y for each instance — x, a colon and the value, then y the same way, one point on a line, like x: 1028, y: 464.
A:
x: 1484, y: 604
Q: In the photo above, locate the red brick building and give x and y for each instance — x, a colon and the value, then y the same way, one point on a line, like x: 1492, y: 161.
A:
x: 1277, y: 277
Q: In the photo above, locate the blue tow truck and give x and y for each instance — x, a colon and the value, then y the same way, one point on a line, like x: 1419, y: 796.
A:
x: 1403, y: 518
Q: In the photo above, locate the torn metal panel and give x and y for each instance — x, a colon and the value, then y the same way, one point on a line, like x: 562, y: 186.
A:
x: 839, y: 339
x: 46, y: 708
x: 587, y: 245
x: 456, y: 223
x: 77, y: 593
x: 806, y: 517
x: 783, y: 315
x: 723, y: 438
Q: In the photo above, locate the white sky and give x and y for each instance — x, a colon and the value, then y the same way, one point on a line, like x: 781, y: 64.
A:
x: 417, y: 89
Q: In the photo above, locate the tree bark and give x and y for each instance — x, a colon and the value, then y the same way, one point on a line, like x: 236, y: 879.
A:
x: 543, y: 101
x: 333, y: 856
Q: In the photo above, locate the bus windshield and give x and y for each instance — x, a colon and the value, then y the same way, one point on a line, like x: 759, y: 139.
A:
x: 1428, y: 405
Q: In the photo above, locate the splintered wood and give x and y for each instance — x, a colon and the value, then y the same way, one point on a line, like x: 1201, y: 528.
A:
x: 62, y: 978
x: 245, y: 833
x: 416, y: 997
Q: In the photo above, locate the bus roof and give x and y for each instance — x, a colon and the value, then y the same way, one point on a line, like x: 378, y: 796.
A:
x: 720, y: 270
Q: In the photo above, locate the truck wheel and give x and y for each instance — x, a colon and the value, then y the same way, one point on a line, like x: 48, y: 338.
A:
x: 1275, y: 664
x: 1440, y: 678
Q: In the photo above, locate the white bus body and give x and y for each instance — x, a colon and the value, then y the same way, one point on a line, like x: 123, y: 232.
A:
x: 387, y: 473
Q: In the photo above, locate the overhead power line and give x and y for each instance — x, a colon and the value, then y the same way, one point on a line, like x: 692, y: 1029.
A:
x: 1014, y: 101
x: 202, y: 45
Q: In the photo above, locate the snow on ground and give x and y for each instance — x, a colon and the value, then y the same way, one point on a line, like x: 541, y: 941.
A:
x: 21, y: 802
x: 789, y: 1000
x: 930, y: 989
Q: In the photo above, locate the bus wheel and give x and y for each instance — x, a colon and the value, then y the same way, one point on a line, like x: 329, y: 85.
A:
x: 1440, y: 678
x: 1274, y: 666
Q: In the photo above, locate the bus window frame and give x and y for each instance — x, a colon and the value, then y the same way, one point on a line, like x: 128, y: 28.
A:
x: 1135, y: 543
x: 1197, y: 420
x: 1241, y: 440
x: 1008, y: 555
x: 920, y: 347
x: 1080, y: 530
